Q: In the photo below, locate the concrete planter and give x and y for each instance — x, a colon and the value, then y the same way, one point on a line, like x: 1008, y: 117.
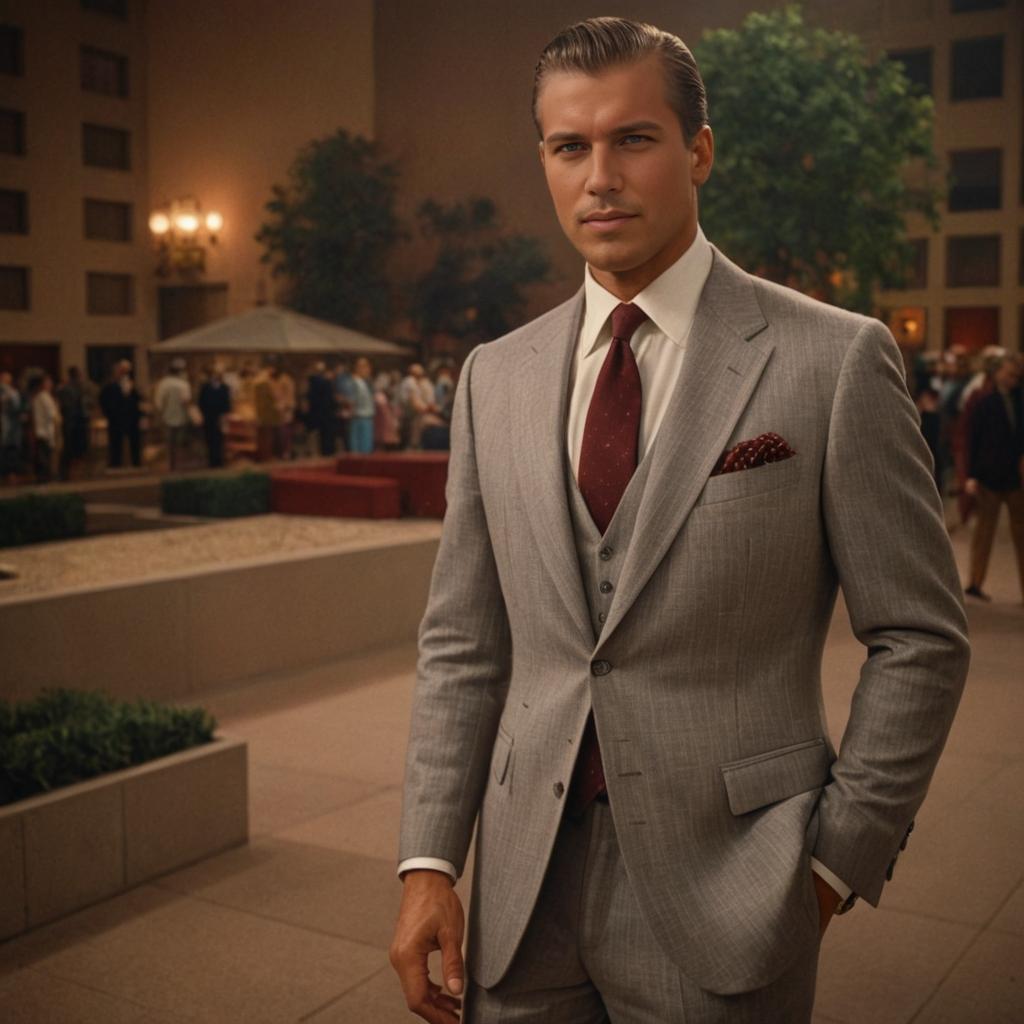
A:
x: 64, y: 850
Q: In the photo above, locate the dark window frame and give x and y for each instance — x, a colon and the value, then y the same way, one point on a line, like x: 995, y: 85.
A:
x: 958, y: 74
x: 111, y: 130
x: 12, y: 36
x: 969, y: 6
x: 958, y: 263
x: 969, y: 196
x: 18, y: 132
x: 25, y: 274
x: 904, y: 56
x: 89, y: 224
x: 114, y: 65
x: 22, y: 214
x: 111, y: 8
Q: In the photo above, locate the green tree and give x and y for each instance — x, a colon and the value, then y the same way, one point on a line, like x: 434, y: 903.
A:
x: 331, y: 229
x: 475, y: 289
x: 820, y: 153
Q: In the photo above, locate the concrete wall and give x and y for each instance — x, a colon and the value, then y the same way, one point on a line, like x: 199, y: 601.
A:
x: 179, y: 635
x: 235, y: 88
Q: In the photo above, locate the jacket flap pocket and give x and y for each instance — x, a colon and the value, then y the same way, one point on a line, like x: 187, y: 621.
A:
x: 765, y: 778
x: 501, y: 756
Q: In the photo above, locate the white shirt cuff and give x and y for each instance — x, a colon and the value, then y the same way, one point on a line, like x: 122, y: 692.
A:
x: 826, y: 876
x: 432, y: 864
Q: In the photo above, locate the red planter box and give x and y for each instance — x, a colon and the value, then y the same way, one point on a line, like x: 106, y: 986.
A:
x: 421, y: 477
x: 309, y: 492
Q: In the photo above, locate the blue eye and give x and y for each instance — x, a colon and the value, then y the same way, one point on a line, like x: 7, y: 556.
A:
x: 566, y: 147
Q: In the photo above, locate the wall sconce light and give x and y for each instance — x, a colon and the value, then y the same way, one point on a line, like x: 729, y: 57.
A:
x: 182, y: 234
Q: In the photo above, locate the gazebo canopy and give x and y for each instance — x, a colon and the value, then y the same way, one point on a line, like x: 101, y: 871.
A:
x: 274, y: 329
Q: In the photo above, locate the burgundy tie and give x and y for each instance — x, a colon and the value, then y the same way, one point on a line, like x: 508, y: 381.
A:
x: 608, y: 458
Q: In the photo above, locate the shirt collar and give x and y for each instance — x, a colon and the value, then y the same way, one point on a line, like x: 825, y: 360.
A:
x: 670, y: 300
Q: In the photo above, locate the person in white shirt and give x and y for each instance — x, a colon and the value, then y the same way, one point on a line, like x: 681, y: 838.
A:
x: 46, y: 423
x: 172, y: 398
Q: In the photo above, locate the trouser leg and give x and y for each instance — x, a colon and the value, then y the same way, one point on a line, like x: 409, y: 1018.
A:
x: 1015, y: 503
x: 987, y: 515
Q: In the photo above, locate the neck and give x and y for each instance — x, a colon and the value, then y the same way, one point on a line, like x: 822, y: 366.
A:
x: 626, y: 285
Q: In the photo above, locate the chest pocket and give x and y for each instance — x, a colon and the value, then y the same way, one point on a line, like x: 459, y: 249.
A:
x: 748, y: 483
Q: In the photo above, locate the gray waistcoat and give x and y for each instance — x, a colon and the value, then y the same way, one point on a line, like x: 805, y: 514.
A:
x: 600, y: 557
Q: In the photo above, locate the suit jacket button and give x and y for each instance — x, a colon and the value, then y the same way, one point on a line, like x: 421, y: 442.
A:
x: 605, y: 553
x: 558, y: 790
x: 605, y: 587
x: 601, y: 668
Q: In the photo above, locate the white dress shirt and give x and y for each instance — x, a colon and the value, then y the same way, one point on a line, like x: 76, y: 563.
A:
x: 659, y: 345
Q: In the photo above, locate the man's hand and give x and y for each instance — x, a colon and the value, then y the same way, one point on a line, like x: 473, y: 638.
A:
x: 828, y: 900
x: 431, y: 918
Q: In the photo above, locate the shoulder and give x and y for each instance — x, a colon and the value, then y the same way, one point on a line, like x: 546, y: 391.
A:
x: 508, y: 352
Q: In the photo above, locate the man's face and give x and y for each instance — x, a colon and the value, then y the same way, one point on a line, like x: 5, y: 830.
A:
x: 1008, y: 375
x: 623, y: 180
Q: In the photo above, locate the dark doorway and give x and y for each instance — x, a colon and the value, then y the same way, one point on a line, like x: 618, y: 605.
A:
x: 100, y: 360
x: 21, y: 358
x: 184, y: 307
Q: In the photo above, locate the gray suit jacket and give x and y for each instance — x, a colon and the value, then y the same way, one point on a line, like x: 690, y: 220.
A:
x: 721, y: 776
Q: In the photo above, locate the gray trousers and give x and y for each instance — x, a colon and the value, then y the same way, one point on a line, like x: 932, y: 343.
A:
x: 588, y: 956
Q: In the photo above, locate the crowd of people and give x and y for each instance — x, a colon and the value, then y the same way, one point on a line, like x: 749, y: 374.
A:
x: 46, y: 430
x: 972, y: 417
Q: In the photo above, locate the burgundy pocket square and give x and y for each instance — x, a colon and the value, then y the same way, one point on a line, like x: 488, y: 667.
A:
x: 758, y: 451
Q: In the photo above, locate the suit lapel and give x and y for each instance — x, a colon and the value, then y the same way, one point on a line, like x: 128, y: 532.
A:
x: 723, y: 363
x: 539, y: 397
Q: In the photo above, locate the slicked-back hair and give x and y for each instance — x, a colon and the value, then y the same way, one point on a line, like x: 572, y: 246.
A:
x: 590, y: 47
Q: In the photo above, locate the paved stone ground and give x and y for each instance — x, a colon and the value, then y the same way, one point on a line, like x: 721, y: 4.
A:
x: 295, y: 926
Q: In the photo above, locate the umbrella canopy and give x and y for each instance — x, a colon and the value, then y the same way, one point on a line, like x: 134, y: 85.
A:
x: 274, y: 329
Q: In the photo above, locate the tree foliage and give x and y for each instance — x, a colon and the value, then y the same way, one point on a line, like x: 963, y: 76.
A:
x: 331, y: 229
x: 820, y: 153
x: 474, y: 290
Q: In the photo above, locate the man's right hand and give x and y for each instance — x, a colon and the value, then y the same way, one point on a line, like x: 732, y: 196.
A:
x: 431, y: 918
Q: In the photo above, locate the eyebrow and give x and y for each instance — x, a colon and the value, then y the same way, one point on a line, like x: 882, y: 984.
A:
x: 624, y: 129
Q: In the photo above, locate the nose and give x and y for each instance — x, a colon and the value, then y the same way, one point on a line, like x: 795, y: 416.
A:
x: 604, y: 175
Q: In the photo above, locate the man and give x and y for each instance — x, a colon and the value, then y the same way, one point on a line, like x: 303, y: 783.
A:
x: 268, y: 414
x: 654, y: 491
x: 172, y: 397
x: 214, y: 407
x: 322, y: 412
x: 121, y: 405
x: 995, y: 459
x: 10, y: 427
x: 416, y: 401
x: 74, y: 413
x: 360, y: 429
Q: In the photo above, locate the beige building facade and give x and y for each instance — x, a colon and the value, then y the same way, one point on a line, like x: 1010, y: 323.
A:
x: 111, y: 109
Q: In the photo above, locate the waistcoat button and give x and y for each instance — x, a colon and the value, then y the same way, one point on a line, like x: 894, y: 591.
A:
x: 601, y: 668
x: 604, y: 554
x: 558, y: 789
x: 605, y: 587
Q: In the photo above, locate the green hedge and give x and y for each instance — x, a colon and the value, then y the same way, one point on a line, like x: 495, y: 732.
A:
x: 32, y: 518
x: 66, y: 736
x: 247, y: 494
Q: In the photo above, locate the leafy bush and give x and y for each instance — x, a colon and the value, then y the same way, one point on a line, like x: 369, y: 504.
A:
x: 67, y: 736
x: 33, y: 518
x: 220, y: 497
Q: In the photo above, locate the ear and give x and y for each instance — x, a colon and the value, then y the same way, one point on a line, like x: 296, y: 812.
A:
x: 540, y: 152
x: 702, y: 155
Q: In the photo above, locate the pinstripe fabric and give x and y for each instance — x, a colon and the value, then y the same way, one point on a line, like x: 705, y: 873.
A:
x: 704, y: 681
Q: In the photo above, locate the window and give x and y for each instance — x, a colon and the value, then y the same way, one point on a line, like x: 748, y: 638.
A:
x: 106, y: 147
x: 963, y: 6
x: 103, y: 72
x: 100, y: 360
x: 13, y: 212
x: 12, y: 132
x: 14, y: 288
x: 109, y: 221
x: 977, y: 69
x: 115, y: 8
x: 972, y: 261
x: 110, y: 294
x: 917, y: 66
x: 12, y: 50
x: 977, y: 179
x: 917, y: 271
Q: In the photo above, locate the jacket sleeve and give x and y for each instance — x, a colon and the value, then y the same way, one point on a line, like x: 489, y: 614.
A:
x: 464, y: 664
x: 895, y: 565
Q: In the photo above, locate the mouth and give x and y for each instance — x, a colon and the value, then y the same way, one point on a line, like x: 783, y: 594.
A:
x: 607, y: 221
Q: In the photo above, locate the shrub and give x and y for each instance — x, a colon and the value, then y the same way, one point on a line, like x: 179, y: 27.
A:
x: 33, y: 518
x: 220, y: 497
x: 67, y: 736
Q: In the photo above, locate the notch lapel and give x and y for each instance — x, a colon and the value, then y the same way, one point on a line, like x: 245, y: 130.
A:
x: 723, y: 363
x: 539, y: 397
